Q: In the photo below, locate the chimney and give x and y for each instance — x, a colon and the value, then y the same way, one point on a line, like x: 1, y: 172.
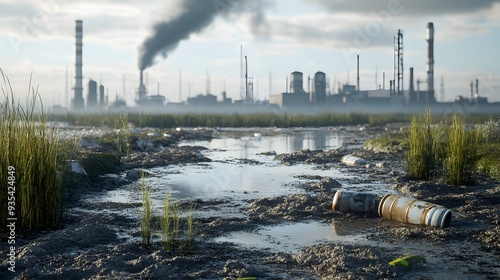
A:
x: 383, y: 81
x: 78, y: 100
x: 471, y: 90
x: 357, y: 73
x: 430, y: 60
x: 142, y: 87
x: 412, y: 87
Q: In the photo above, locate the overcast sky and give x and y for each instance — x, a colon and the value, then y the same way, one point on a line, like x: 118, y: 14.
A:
x: 278, y: 36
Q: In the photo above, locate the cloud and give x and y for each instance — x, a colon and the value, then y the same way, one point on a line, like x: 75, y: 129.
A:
x: 326, y: 31
x: 408, y: 7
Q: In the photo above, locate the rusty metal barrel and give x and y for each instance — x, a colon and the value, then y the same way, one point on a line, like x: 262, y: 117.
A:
x: 357, y: 202
x: 408, y: 210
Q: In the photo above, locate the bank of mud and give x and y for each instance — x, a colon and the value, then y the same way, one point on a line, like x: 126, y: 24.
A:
x: 99, y: 240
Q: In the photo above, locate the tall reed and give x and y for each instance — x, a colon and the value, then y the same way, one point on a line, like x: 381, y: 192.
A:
x: 122, y: 136
x: 33, y: 149
x: 190, y: 226
x: 269, y: 119
x: 147, y: 212
x: 166, y: 223
x: 176, y: 217
x: 420, y: 158
x: 462, y: 150
x: 171, y: 227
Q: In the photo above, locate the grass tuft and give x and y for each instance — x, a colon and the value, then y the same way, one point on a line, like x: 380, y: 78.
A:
x: 171, y: 227
x: 449, y: 154
x: 147, y: 212
x: 31, y: 148
x: 166, y: 223
x: 420, y: 156
x: 462, y: 148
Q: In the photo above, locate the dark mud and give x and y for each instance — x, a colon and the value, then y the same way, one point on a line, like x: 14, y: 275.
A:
x: 101, y: 241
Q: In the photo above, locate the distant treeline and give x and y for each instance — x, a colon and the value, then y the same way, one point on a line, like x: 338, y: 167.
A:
x: 243, y: 120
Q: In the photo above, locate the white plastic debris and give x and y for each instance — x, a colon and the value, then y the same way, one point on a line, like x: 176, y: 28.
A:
x: 353, y: 160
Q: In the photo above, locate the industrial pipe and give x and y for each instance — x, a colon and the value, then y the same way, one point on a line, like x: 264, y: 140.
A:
x: 408, y: 210
x: 355, y: 202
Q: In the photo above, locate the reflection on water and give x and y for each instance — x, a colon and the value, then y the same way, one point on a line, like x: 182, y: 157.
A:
x: 282, y: 143
x: 240, y: 171
x: 291, y: 237
x: 262, y: 177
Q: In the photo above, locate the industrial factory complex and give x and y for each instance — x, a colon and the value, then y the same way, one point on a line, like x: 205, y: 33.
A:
x: 312, y: 94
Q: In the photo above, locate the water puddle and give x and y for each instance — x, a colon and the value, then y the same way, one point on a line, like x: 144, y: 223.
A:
x: 239, y: 172
x: 251, y: 144
x: 239, y: 169
x: 291, y: 237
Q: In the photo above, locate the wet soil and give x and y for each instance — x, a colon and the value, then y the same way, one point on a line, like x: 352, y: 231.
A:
x: 102, y: 240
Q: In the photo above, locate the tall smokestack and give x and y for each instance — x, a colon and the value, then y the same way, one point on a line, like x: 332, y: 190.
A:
x: 358, y: 73
x: 471, y: 90
x: 477, y: 87
x: 412, y: 87
x: 383, y: 81
x: 78, y: 100
x: 430, y: 60
x: 142, y: 87
x: 412, y: 96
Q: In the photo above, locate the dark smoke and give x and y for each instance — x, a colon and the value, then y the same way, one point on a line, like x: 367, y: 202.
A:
x: 196, y: 16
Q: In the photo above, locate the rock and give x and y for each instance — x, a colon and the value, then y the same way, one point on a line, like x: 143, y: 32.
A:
x: 270, y: 153
x: 76, y: 167
x: 238, y: 269
x: 144, y: 144
x: 87, y: 143
x: 328, y: 184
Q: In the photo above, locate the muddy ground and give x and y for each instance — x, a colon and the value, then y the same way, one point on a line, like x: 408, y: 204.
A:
x: 96, y: 245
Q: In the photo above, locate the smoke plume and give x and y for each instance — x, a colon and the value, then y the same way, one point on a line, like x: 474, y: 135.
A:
x: 196, y: 15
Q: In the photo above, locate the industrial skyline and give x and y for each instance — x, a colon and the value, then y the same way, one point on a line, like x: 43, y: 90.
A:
x: 278, y: 38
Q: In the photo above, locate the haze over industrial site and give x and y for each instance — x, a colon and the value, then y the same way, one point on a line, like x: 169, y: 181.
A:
x: 190, y: 48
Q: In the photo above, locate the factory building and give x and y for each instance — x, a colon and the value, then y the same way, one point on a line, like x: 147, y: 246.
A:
x: 202, y: 100
x: 286, y: 100
x: 143, y: 99
x: 296, y: 97
x: 225, y: 99
x: 92, y: 95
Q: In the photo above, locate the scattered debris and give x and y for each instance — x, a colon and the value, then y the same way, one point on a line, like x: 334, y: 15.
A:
x: 353, y: 160
x: 408, y: 260
x: 270, y: 153
x: 412, y: 211
x: 344, y: 201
